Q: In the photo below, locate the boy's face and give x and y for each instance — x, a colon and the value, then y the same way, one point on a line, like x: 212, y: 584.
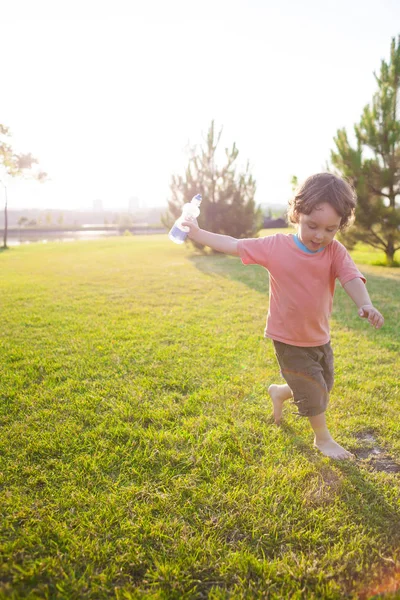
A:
x: 318, y: 229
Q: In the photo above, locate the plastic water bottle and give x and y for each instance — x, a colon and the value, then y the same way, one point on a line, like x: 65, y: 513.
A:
x: 190, y: 211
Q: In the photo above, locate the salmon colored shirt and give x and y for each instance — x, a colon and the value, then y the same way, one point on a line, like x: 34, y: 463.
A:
x: 302, y: 286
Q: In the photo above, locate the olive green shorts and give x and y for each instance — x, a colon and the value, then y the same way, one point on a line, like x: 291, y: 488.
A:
x: 308, y: 371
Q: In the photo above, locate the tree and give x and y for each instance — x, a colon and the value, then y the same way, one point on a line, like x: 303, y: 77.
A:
x: 373, y: 167
x: 14, y: 165
x: 228, y: 205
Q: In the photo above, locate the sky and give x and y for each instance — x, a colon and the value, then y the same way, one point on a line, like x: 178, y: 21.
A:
x: 109, y: 95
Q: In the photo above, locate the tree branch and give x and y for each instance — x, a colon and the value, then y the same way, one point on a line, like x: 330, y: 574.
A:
x: 376, y: 246
x: 376, y: 236
x: 378, y: 192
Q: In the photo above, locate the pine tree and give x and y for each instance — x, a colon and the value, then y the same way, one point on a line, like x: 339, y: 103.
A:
x: 228, y: 205
x: 373, y: 167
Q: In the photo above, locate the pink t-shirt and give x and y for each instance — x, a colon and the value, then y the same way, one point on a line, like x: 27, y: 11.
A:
x: 301, y: 287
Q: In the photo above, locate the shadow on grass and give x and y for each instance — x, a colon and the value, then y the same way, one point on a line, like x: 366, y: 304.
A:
x: 384, y: 292
x: 231, y: 267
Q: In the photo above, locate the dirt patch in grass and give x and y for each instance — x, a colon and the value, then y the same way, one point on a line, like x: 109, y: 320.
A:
x: 374, y: 455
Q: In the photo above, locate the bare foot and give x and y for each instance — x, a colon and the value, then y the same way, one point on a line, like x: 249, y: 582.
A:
x: 333, y: 450
x: 278, y: 393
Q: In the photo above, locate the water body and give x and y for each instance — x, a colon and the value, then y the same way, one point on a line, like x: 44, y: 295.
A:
x: 26, y: 236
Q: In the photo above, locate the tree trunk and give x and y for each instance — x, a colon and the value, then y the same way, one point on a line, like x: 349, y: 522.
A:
x: 389, y: 251
x: 5, y: 219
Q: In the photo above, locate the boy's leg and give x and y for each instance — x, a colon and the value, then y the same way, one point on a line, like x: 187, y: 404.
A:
x: 309, y: 377
x: 324, y: 441
x: 279, y: 393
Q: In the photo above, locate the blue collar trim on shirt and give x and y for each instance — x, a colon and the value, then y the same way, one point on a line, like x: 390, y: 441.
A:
x: 300, y: 245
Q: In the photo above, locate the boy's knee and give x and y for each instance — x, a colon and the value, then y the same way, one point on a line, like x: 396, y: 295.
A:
x: 311, y: 396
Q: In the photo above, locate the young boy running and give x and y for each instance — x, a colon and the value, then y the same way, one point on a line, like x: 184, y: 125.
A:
x: 302, y: 270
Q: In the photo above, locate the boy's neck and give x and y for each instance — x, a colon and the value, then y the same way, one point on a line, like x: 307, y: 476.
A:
x: 304, y: 248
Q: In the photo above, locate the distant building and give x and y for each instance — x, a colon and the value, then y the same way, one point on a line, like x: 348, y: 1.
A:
x: 98, y: 205
x: 274, y: 223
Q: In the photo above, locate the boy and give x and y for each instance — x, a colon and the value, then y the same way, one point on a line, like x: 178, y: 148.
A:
x: 302, y: 270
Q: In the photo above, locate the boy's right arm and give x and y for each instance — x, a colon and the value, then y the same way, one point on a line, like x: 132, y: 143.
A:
x: 216, y: 241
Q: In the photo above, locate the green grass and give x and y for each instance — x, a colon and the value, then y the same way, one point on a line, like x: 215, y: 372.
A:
x: 137, y: 456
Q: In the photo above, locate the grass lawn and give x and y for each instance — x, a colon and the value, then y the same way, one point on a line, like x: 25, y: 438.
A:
x: 138, y: 458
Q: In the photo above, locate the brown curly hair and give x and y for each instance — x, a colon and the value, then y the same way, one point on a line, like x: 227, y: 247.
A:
x: 324, y: 187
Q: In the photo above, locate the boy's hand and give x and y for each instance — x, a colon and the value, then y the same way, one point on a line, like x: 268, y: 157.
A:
x: 372, y: 314
x: 191, y: 226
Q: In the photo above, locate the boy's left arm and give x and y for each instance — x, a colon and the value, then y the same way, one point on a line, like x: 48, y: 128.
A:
x: 357, y: 291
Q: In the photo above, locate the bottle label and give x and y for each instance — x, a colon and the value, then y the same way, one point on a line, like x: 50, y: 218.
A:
x: 177, y: 233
